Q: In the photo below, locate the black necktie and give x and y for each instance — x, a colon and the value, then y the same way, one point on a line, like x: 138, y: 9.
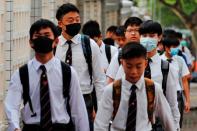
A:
x: 169, y: 60
x: 45, y: 120
x: 68, y: 59
x: 132, y: 110
x: 147, y: 72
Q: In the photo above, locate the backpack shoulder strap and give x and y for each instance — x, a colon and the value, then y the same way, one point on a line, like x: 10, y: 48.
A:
x: 24, y: 77
x: 119, y: 56
x: 164, y: 69
x: 85, y: 41
x: 150, y: 92
x: 116, y: 95
x: 66, y: 78
x: 108, y: 52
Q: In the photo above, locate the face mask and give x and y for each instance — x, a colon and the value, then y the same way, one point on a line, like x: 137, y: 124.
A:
x: 174, y: 51
x: 73, y: 29
x: 42, y: 44
x: 149, y: 43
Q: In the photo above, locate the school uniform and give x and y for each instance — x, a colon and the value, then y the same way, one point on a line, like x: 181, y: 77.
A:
x: 80, y: 65
x: 105, y: 62
x: 113, y: 66
x: 59, y: 113
x: 105, y: 109
x: 180, y: 70
x: 172, y: 82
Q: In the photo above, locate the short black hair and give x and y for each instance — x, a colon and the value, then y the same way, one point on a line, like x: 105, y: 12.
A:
x: 131, y: 21
x: 168, y: 42
x: 112, y: 28
x: 120, y: 31
x: 64, y: 9
x: 109, y: 41
x: 42, y: 24
x: 179, y: 35
x: 150, y: 26
x: 133, y: 50
x: 169, y: 33
x: 91, y: 28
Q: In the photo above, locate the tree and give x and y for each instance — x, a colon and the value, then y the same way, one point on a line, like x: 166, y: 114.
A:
x: 186, y: 10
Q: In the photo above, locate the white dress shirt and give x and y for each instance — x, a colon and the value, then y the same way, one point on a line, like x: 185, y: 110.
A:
x: 180, y: 68
x: 80, y: 65
x: 58, y: 103
x: 105, y: 62
x: 171, y: 86
x: 113, y: 67
x: 105, y: 109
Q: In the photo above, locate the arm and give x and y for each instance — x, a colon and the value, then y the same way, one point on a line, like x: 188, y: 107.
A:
x: 105, y: 110
x: 162, y: 110
x: 77, y: 104
x: 13, y: 101
x: 171, y: 95
x: 98, y: 74
x: 186, y: 93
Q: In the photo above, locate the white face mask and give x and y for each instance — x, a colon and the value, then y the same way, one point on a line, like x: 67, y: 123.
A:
x: 149, y: 43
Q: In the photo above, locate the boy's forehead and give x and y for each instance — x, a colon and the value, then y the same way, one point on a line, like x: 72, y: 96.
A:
x: 43, y: 31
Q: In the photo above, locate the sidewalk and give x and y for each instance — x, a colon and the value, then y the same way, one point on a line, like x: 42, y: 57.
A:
x: 193, y: 96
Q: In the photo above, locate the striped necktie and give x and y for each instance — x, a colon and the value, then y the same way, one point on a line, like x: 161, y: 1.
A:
x: 132, y: 110
x: 68, y: 59
x: 46, y: 120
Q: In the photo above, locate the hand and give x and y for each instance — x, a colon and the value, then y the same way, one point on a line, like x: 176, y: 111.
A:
x: 187, y: 107
x: 17, y: 129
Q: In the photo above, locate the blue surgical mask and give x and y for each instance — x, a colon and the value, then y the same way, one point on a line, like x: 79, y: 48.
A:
x: 149, y: 43
x: 174, y: 51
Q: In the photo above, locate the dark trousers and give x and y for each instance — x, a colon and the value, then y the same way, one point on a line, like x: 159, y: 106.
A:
x: 89, y: 106
x: 56, y: 127
x: 180, y: 105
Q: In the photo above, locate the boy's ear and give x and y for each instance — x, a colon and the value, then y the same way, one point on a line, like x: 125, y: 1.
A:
x: 160, y: 37
x: 121, y: 61
x: 60, y: 24
x: 31, y: 44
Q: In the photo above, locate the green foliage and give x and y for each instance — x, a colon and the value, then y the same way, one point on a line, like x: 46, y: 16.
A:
x: 189, y: 6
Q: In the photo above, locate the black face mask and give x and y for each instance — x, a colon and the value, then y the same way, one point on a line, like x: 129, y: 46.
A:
x: 42, y: 44
x: 73, y: 29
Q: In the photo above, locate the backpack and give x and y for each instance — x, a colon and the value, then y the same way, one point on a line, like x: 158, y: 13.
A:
x: 66, y: 78
x: 85, y: 42
x: 108, y: 52
x: 164, y: 69
x: 116, y: 96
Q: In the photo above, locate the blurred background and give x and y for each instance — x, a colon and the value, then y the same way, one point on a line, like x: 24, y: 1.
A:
x: 16, y: 17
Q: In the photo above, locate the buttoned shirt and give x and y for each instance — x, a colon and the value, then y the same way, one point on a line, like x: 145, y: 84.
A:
x: 171, y: 85
x: 57, y: 100
x: 80, y: 65
x: 105, y: 62
x: 180, y: 68
x: 105, y: 110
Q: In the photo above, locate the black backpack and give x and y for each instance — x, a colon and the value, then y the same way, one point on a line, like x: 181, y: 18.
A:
x: 66, y: 76
x: 164, y: 69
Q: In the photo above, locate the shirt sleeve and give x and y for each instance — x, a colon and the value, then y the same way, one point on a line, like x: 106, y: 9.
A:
x: 105, y: 110
x: 113, y: 67
x: 162, y: 109
x: 171, y: 96
x: 13, y: 101
x: 184, y: 69
x: 77, y: 104
x: 98, y: 73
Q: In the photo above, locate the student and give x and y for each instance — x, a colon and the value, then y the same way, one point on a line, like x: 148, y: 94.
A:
x: 181, y: 71
x: 131, y: 26
x: 92, y: 29
x: 110, y: 35
x: 82, y: 53
x: 120, y: 36
x: 46, y: 107
x: 151, y: 33
x: 131, y: 114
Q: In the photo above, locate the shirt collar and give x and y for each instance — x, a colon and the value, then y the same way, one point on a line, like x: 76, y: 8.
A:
x: 139, y: 83
x: 76, y: 39
x: 47, y: 65
x: 155, y: 58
